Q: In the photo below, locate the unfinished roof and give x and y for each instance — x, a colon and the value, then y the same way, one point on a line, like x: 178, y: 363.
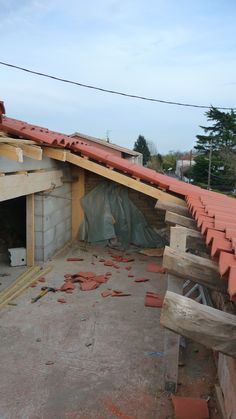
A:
x: 214, y: 212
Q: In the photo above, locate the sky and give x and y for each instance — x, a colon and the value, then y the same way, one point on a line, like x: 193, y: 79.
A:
x: 171, y: 50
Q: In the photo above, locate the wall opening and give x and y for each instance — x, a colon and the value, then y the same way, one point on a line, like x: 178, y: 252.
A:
x: 12, y: 226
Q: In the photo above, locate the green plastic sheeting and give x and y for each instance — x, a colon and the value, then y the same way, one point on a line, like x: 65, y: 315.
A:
x: 111, y: 216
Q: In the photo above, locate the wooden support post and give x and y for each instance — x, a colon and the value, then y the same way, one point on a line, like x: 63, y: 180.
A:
x: 30, y: 235
x: 206, y: 325
x: 78, y: 190
x: 168, y: 206
x: 195, y: 268
x: 172, y: 340
x: 176, y: 219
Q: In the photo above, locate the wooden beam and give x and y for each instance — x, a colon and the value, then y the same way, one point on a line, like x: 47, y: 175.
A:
x: 30, y: 234
x: 122, y: 179
x: 181, y: 220
x: 55, y: 153
x: 195, y: 268
x: 168, y: 206
x: 11, y: 152
x: 206, y: 325
x: 188, y: 232
x: 16, y: 141
x: 172, y: 340
x: 12, y: 186
x: 78, y: 189
x: 32, y: 151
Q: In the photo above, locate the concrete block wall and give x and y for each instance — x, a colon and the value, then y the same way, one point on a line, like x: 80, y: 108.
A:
x: 52, y: 221
x: 144, y: 203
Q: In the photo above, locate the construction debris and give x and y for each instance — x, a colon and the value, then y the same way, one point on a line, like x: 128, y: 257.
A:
x: 190, y: 407
x: 154, y: 267
x: 157, y: 252
x: 153, y: 299
x: 114, y: 293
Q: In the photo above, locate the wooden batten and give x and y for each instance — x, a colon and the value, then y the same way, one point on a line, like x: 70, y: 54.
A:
x: 206, y: 325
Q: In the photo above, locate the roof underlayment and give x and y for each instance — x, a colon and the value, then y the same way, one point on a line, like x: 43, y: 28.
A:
x: 214, y: 212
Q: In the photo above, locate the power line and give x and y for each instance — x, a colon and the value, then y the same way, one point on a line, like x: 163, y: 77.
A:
x: 114, y: 92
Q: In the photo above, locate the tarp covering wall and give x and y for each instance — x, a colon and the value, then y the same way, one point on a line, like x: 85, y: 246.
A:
x: 111, y: 216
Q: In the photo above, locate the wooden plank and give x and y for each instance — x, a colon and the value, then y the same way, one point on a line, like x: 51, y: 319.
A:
x: 30, y: 234
x: 11, y: 152
x: 78, y: 189
x: 172, y: 340
x: 16, y: 141
x: 181, y: 220
x: 206, y: 325
x: 168, y: 206
x: 23, y: 285
x: 122, y: 179
x: 195, y: 268
x: 12, y: 186
x: 32, y: 151
x: 55, y: 153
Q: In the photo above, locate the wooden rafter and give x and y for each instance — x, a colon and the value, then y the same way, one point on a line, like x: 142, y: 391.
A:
x: 206, y: 325
x: 195, y: 268
x: 11, y: 152
x: 122, y: 179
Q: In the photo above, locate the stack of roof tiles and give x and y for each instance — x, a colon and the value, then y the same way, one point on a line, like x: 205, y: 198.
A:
x: 214, y: 212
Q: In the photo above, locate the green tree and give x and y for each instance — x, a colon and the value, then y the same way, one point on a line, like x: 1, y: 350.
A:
x: 219, y: 141
x: 141, y: 146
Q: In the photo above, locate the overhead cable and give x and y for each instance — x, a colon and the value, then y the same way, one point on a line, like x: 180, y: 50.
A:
x: 114, y: 92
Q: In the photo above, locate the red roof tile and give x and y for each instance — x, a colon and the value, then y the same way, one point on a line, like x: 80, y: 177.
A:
x: 214, y: 212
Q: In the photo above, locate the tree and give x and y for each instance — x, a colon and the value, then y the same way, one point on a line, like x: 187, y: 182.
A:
x: 141, y: 146
x: 218, y: 146
x: 155, y: 162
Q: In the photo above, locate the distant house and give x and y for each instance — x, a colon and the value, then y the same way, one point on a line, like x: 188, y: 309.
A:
x: 183, y: 165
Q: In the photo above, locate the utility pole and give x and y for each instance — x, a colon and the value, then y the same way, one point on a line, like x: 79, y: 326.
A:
x: 209, y: 168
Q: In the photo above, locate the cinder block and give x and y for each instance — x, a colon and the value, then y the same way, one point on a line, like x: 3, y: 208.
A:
x: 39, y: 254
x: 49, y: 236
x: 38, y: 205
x: 38, y: 223
x: 60, y: 229
x: 39, y: 239
x: 49, y: 251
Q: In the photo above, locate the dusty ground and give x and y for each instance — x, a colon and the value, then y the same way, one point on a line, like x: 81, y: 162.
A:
x: 86, y: 359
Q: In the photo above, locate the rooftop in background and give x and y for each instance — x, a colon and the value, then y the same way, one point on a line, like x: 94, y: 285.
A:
x: 103, y: 144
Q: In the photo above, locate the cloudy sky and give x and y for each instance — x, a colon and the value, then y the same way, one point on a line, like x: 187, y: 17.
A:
x: 173, y: 50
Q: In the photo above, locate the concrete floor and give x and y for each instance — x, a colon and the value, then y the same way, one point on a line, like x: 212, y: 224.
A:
x: 84, y: 359
x: 8, y: 274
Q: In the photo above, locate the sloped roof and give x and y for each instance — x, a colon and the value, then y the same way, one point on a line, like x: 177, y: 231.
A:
x: 95, y: 140
x: 214, y: 212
